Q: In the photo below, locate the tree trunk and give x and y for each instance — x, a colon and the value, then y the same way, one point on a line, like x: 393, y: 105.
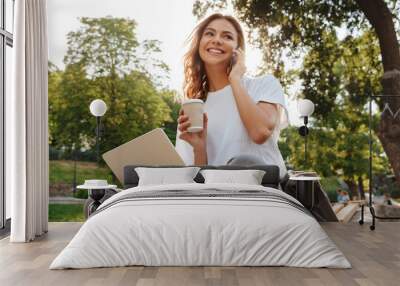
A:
x: 381, y: 19
x: 389, y: 125
x: 352, y: 188
x: 361, y: 188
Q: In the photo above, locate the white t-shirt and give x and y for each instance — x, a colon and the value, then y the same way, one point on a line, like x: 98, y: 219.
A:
x: 227, y: 136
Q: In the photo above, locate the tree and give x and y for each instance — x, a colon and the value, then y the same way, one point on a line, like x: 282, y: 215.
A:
x: 54, y: 78
x: 171, y: 98
x: 293, y: 27
x: 68, y: 107
x: 105, y: 60
x: 135, y: 108
x: 333, y: 74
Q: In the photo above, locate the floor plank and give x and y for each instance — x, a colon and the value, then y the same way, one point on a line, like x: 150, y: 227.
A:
x: 374, y: 255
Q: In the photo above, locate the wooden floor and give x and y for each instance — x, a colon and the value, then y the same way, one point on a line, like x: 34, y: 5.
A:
x: 375, y: 257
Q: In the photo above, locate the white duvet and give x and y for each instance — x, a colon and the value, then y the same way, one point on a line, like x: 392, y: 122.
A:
x: 200, y: 231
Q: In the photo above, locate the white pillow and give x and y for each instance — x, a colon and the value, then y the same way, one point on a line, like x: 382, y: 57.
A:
x: 163, y: 176
x: 248, y: 177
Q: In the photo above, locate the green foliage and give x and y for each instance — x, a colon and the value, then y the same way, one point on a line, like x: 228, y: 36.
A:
x: 69, y: 98
x: 171, y: 99
x: 332, y: 152
x: 135, y: 107
x: 105, y: 60
x: 81, y: 194
x: 103, y: 44
x: 330, y: 186
x: 384, y: 183
x: 290, y: 25
x: 66, y: 213
x: 336, y: 74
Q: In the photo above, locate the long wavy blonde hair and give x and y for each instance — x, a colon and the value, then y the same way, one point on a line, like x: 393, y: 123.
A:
x: 196, y: 82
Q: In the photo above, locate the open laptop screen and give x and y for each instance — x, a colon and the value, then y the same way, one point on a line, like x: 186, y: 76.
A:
x: 152, y: 148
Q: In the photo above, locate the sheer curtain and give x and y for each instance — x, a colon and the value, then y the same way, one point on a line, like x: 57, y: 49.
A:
x: 27, y: 124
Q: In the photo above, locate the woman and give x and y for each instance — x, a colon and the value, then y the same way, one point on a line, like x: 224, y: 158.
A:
x: 243, y: 115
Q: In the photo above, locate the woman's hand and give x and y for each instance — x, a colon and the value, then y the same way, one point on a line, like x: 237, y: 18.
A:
x: 198, y: 140
x: 239, y: 68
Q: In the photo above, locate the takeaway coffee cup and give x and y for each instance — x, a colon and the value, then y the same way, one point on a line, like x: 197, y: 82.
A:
x: 193, y: 108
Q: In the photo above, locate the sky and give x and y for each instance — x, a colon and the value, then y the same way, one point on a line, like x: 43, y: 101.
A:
x: 167, y: 21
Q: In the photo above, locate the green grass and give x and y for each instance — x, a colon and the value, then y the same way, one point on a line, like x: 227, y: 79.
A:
x: 61, y: 212
x: 63, y: 172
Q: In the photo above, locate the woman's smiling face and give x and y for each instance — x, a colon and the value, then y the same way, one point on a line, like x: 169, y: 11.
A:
x: 217, y: 42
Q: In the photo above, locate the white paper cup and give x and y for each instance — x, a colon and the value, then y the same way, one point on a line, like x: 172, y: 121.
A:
x: 193, y: 108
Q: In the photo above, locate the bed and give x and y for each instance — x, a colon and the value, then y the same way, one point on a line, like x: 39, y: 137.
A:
x: 201, y: 224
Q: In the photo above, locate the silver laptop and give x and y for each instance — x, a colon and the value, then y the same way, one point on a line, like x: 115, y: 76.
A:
x: 152, y: 148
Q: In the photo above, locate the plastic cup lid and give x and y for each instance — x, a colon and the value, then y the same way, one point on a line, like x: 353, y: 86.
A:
x: 193, y: 101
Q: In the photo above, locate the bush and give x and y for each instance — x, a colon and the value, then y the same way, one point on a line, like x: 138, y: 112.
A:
x: 330, y: 185
x: 81, y: 194
x: 54, y: 154
x: 66, y: 154
x: 395, y: 192
x: 384, y: 183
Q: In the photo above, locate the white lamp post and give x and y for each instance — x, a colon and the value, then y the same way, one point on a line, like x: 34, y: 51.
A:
x: 98, y: 108
x: 305, y: 108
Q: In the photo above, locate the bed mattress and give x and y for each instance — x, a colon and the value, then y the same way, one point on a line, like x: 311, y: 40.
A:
x: 201, y: 225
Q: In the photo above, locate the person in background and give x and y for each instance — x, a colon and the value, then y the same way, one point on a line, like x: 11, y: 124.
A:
x: 387, y: 200
x: 343, y: 197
